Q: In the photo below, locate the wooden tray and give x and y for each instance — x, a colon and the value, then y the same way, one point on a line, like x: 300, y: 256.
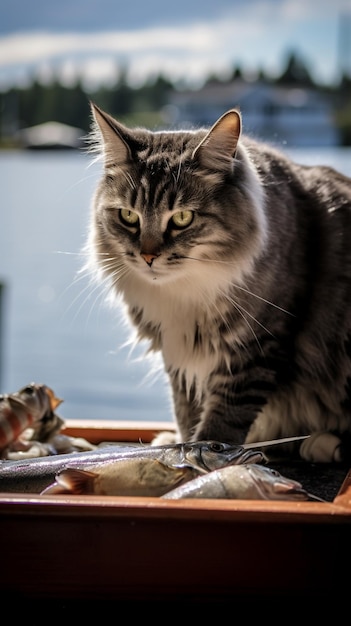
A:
x: 108, y: 549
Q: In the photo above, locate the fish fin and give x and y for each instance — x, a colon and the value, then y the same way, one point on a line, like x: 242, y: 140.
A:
x: 251, y: 456
x: 54, y: 489
x: 189, y: 465
x: 182, y: 465
x: 75, y: 481
x: 54, y: 401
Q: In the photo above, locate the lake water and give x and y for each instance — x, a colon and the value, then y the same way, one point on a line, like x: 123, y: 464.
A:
x: 56, y: 327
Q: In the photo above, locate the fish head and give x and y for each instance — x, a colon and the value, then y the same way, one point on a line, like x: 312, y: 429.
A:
x: 211, y: 455
x: 273, y: 486
x: 39, y: 399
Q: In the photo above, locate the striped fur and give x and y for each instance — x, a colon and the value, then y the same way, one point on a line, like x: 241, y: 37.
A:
x: 235, y: 264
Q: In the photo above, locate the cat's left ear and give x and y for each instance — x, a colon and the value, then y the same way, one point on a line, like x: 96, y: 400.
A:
x: 217, y: 149
x: 115, y: 145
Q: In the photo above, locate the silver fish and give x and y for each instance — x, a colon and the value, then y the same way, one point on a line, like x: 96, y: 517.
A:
x: 124, y: 477
x: 34, y: 475
x: 241, y: 482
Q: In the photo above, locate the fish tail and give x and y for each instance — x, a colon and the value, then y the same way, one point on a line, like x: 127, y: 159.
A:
x: 54, y: 401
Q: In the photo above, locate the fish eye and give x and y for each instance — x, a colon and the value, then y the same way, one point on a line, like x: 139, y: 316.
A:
x: 182, y: 219
x: 270, y: 470
x: 29, y: 390
x: 129, y: 218
x: 215, y: 446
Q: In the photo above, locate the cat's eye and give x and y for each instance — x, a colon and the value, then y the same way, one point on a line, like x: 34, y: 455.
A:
x: 182, y: 219
x: 130, y: 218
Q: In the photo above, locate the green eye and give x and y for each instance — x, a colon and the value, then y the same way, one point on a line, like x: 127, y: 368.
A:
x: 182, y: 219
x: 130, y: 218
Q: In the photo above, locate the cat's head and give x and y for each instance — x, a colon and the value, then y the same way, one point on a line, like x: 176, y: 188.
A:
x: 175, y: 205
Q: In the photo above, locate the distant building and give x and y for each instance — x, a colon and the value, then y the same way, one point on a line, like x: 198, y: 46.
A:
x: 296, y: 116
x: 51, y: 135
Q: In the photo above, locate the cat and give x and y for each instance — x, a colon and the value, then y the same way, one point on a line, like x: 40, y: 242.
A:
x: 234, y: 262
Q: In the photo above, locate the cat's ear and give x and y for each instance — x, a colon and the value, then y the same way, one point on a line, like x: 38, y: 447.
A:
x: 115, y: 146
x: 217, y: 149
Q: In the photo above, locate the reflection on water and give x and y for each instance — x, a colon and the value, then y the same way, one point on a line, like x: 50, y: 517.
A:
x: 56, y: 326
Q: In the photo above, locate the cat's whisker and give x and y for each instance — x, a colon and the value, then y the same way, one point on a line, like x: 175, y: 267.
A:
x: 239, y: 307
x: 237, y: 286
x: 243, y: 312
x: 128, y: 177
x: 103, y: 285
x: 179, y: 169
x: 80, y: 253
x: 131, y: 180
x: 250, y: 293
x: 212, y: 306
x: 99, y: 295
x: 77, y: 278
x: 88, y: 288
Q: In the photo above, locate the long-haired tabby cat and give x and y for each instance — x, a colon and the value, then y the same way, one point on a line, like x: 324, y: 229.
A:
x: 235, y: 263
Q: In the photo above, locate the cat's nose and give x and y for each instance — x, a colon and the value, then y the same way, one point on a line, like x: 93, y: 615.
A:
x: 149, y: 258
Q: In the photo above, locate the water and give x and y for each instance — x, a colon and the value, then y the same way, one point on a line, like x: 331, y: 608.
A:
x: 56, y: 327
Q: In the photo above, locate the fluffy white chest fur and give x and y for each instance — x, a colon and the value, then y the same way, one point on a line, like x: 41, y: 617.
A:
x: 181, y: 312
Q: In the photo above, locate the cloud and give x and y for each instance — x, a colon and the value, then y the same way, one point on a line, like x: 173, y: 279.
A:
x: 35, y: 46
x: 255, y: 34
x: 175, y: 51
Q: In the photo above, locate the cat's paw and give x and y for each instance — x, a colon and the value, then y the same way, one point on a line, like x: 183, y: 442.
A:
x: 322, y: 447
x: 165, y: 438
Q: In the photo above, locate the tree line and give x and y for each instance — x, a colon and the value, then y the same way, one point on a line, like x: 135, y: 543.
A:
x: 39, y: 103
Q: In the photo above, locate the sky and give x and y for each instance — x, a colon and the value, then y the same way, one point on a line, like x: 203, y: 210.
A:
x: 185, y: 40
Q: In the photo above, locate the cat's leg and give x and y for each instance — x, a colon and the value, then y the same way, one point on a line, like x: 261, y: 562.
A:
x: 229, y: 410
x: 221, y: 420
x: 220, y: 428
x: 294, y: 414
x: 165, y: 438
x: 187, y: 412
x: 322, y: 447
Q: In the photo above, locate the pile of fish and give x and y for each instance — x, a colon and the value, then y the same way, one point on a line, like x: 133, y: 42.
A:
x: 121, y: 469
x: 203, y: 469
x: 29, y: 426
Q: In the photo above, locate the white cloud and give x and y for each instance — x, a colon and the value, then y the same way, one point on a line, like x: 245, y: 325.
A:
x: 253, y: 34
x: 171, y: 50
x: 34, y: 47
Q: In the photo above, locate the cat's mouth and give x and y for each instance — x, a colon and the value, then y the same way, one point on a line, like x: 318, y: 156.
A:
x: 158, y: 272
x: 151, y: 272
x: 153, y: 266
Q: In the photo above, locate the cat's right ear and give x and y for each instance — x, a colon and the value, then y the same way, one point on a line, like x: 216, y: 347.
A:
x: 115, y: 147
x: 218, y: 148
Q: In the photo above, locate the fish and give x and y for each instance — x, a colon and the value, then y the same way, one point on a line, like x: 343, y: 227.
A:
x: 55, y: 444
x: 35, y: 474
x: 23, y: 409
x: 242, y: 482
x: 126, y: 477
